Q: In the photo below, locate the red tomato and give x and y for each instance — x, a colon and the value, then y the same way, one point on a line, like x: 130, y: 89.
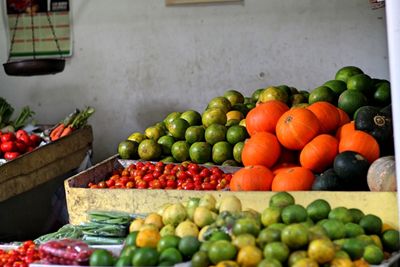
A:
x: 148, y: 177
x: 205, y: 173
x: 110, y: 182
x: 11, y: 155
x: 7, y: 137
x: 102, y: 184
x: 141, y: 185
x: 171, y: 183
x: 193, y: 167
x: 21, y: 147
x: 25, y: 138
x: 130, y: 184
x: 35, y: 139
x: 155, y: 184
x: 8, y: 146
x: 20, y: 132
x: 189, y: 186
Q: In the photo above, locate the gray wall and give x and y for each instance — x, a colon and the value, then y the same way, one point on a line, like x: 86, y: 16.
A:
x: 137, y: 60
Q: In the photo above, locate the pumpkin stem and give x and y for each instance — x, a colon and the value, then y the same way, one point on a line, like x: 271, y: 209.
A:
x: 379, y: 120
x: 289, y: 119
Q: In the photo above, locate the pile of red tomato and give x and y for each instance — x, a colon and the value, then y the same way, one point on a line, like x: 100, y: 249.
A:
x: 13, y: 145
x: 21, y: 256
x: 185, y: 176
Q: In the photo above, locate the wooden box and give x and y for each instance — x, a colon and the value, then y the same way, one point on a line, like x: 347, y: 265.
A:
x: 81, y: 199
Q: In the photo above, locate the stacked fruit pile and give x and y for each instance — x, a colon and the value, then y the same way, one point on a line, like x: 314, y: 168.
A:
x: 284, y: 234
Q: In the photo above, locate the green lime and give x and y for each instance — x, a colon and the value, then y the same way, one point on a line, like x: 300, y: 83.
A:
x: 205, y: 246
x: 373, y: 255
x: 170, y: 255
x: 334, y: 229
x: 230, y: 162
x: 356, y: 214
x: 128, y: 149
x: 166, y: 263
x: 341, y: 254
x: 221, y: 250
x: 215, y: 133
x: 342, y: 214
x: 177, y: 128
x: 213, y: 115
x: 353, y: 247
x: 295, y: 236
x: 192, y: 117
x: 278, y: 226
x: 128, y: 251
x: 321, y: 250
x: 168, y: 241
x: 372, y: 224
x: 308, y: 223
x: 137, y: 137
x: 222, y: 151
x: 337, y: 86
x: 188, y: 245
x: 154, y: 132
x: 161, y: 126
x: 166, y: 143
x: 236, y: 134
x: 322, y: 93
x: 351, y: 100
x: 276, y: 250
x: 391, y: 240
x: 237, y: 151
x: 298, y: 99
x: 270, y: 262
x: 180, y: 151
x: 221, y: 103
x: 200, y: 259
x: 123, y: 261
x: 242, y: 108
x: 268, y: 235
x: 281, y: 200
x: 170, y: 117
x: 243, y: 240
x: 168, y: 159
x: 345, y: 73
x: 294, y: 214
x: 234, y: 97
x: 149, y: 150
x: 271, y: 215
x: 200, y: 152
x: 246, y: 226
x: 194, y: 134
x: 101, y: 257
x: 353, y: 230
x: 273, y: 93
x: 286, y: 88
x: 361, y: 83
x: 145, y: 257
x: 382, y: 94
x: 316, y: 232
x: 318, y: 209
x: 219, y: 235
x: 256, y: 94
x: 296, y: 256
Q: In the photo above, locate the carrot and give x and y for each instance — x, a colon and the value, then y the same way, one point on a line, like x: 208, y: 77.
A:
x: 55, y: 134
x: 67, y: 131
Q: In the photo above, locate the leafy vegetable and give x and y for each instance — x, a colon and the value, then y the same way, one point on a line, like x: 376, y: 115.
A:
x: 6, y: 110
x: 23, y: 117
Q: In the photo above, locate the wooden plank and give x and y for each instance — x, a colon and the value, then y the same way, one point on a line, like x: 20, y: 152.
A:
x: 80, y: 200
x: 44, y: 163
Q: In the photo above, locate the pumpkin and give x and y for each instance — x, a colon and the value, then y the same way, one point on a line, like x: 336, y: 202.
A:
x: 382, y: 175
x: 319, y: 153
x: 328, y: 181
x: 283, y: 166
x: 252, y: 178
x: 293, y: 179
x: 288, y: 156
x: 360, y: 142
x: 261, y: 149
x: 343, y: 117
x: 296, y: 127
x: 264, y: 116
x: 345, y: 129
x: 327, y: 114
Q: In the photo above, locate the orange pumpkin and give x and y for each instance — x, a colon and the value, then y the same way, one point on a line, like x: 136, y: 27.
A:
x: 283, y: 166
x: 296, y: 127
x: 344, y: 118
x: 293, y: 179
x: 288, y: 156
x: 345, y: 130
x: 327, y: 114
x: 252, y: 178
x: 320, y: 153
x: 360, y: 142
x: 263, y: 117
x: 261, y: 149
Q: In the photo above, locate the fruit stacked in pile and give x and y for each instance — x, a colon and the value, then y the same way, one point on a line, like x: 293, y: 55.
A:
x: 21, y: 256
x: 13, y: 144
x: 284, y: 234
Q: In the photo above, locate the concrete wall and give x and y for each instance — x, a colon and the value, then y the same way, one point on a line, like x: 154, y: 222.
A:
x: 137, y: 60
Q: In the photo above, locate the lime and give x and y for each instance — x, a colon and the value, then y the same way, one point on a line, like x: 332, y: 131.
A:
x: 205, y: 246
x: 166, y: 263
x: 230, y: 162
x: 149, y: 150
x: 322, y: 93
x: 268, y: 235
x: 130, y: 239
x: 123, y: 261
x: 243, y: 240
x: 372, y: 224
x: 341, y: 254
x: 316, y: 232
x: 180, y: 151
x: 356, y: 214
x: 336, y: 86
x: 249, y: 256
x: 298, y: 99
x: 373, y: 255
x: 345, y: 73
x: 246, y: 226
x: 221, y: 103
x: 256, y: 94
x: 270, y: 216
x: 214, y: 115
x: 273, y: 93
x: 128, y: 149
x: 377, y: 241
x: 296, y: 256
x: 237, y: 151
x: 177, y: 128
x: 168, y: 241
x: 234, y: 115
x: 354, y: 248
x: 200, y: 152
x: 222, y: 151
x: 161, y: 126
x: 221, y: 250
x: 295, y: 236
x: 308, y: 223
x: 242, y: 108
x: 365, y: 239
x: 192, y: 117
x: 101, y: 257
x: 236, y: 134
x: 351, y: 100
x: 390, y: 240
x: 281, y: 200
x: 278, y: 226
x: 219, y: 235
x: 194, y: 134
x: 154, y: 132
x: 276, y: 250
x: 353, y: 230
x: 188, y: 245
x: 334, y: 229
x: 200, y: 259
x: 128, y: 251
x: 305, y: 262
x: 382, y: 94
x: 166, y: 143
x: 168, y: 159
x: 145, y: 257
x: 170, y: 117
x: 342, y: 214
x: 171, y: 255
x: 215, y: 133
x: 318, y: 210
x: 361, y: 83
x: 137, y: 137
x: 321, y: 250
x: 270, y: 262
x: 293, y: 214
x: 234, y: 97
x: 286, y: 88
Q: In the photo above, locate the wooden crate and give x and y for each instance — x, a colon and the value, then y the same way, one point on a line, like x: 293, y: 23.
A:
x: 81, y: 199
x: 44, y: 163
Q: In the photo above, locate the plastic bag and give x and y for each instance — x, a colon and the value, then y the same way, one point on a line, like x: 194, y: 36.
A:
x: 65, y: 252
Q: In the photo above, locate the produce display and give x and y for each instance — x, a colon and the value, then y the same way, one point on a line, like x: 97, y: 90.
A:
x: 185, y: 176
x: 12, y: 145
x: 21, y: 256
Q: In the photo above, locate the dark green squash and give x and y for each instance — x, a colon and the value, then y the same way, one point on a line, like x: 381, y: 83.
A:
x: 352, y: 168
x: 328, y: 181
